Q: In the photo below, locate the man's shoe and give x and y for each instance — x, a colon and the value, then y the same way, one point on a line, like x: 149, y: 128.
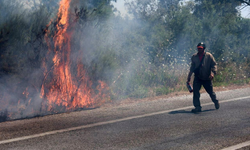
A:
x: 196, y: 110
x: 217, y: 105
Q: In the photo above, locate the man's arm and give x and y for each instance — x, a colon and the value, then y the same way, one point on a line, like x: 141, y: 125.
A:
x: 189, y: 76
x: 213, y: 68
x: 191, y: 70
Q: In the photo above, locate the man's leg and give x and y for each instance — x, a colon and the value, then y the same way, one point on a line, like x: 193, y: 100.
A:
x: 208, y: 85
x: 196, y: 93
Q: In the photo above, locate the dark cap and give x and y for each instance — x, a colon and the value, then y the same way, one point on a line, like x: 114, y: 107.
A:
x: 201, y: 45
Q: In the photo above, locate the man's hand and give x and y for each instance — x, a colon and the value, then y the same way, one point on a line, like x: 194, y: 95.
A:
x: 211, y: 77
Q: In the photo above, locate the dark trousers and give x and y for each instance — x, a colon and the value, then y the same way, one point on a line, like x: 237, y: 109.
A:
x: 208, y: 86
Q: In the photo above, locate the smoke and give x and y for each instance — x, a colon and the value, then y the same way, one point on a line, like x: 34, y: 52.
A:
x: 115, y: 51
x: 24, y: 49
x: 111, y: 49
x: 107, y: 45
x: 136, y: 57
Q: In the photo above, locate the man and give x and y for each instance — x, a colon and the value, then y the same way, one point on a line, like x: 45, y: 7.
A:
x: 204, y: 66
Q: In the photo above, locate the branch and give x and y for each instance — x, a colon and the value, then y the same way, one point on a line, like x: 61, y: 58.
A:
x: 245, y: 1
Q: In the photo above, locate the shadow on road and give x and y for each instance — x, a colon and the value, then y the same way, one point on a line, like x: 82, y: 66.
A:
x: 187, y: 112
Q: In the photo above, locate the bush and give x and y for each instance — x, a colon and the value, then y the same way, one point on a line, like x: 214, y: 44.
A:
x: 162, y: 91
x: 139, y: 92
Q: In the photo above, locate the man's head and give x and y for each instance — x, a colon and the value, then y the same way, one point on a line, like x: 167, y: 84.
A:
x: 201, y: 47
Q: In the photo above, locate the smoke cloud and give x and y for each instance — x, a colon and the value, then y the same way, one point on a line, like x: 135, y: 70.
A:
x: 144, y: 56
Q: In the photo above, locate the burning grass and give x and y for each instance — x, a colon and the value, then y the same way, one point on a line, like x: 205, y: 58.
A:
x: 59, y: 86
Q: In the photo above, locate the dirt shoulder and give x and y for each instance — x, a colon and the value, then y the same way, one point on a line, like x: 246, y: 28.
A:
x: 174, y: 94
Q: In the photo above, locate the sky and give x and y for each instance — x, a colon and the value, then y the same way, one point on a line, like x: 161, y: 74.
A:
x: 246, y: 12
x: 120, y: 6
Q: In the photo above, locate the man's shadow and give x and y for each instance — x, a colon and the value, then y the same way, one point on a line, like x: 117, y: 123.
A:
x: 188, y: 112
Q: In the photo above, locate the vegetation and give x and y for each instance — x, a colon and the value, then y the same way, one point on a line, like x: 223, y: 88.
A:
x: 143, y: 56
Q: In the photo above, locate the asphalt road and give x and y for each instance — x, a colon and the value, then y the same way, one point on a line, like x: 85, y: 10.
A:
x: 161, y: 124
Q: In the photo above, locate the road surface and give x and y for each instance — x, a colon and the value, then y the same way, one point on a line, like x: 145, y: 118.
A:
x: 162, y: 124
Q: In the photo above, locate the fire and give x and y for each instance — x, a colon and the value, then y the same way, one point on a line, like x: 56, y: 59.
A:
x: 60, y: 89
x: 64, y: 89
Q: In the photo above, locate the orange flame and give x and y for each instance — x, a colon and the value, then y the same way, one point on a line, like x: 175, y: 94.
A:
x: 59, y: 88
x: 64, y: 89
